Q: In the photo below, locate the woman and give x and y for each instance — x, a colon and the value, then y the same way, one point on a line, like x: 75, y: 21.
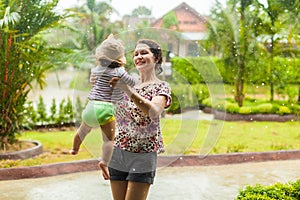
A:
x: 139, y: 139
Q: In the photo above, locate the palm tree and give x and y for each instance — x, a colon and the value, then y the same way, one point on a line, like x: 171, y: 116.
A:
x: 279, y: 14
x: 92, y: 23
x: 229, y: 34
x: 25, y: 55
x: 87, y: 26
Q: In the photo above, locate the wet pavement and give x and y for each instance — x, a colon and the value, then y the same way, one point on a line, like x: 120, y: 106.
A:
x: 220, y: 182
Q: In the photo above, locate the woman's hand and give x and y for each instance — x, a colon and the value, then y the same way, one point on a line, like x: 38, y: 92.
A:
x: 115, y: 82
x: 151, y: 108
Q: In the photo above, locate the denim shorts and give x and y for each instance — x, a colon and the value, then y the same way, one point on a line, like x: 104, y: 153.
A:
x: 136, y: 167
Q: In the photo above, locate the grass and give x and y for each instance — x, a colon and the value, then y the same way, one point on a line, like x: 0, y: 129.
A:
x: 180, y: 137
x: 220, y: 137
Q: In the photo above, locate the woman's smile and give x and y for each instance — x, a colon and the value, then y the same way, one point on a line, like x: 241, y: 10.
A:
x: 143, y: 57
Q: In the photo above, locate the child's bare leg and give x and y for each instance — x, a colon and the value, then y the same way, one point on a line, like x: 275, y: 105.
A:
x: 108, y: 134
x: 81, y: 132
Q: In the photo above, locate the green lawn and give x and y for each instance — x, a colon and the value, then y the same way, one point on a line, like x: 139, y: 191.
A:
x: 217, y: 137
x: 180, y: 136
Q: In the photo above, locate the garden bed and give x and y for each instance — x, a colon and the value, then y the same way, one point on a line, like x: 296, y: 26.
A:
x: 30, y: 149
x: 221, y: 115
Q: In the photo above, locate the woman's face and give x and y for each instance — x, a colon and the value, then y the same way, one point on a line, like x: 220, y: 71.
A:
x: 143, y: 58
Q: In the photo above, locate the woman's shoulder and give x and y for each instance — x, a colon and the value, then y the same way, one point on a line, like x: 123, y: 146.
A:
x: 162, y: 84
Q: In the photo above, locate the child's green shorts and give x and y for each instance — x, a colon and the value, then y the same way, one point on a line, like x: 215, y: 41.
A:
x: 98, y: 113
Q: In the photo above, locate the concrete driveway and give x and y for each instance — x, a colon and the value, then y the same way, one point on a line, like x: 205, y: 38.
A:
x: 220, y: 182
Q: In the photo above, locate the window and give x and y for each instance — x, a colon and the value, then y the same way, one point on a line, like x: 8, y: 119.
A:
x: 193, y: 50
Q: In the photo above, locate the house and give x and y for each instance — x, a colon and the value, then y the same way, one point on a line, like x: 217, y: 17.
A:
x: 191, y: 27
x: 133, y: 22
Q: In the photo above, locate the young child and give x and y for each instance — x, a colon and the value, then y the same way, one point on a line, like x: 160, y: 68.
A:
x: 100, y: 110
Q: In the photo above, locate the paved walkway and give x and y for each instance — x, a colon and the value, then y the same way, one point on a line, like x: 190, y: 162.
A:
x: 172, y: 183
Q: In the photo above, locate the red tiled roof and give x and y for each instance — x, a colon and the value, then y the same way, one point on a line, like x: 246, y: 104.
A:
x: 189, y: 20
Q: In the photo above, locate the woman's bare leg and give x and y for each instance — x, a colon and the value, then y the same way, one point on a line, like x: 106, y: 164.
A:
x: 108, y: 134
x: 137, y: 191
x: 81, y: 132
x: 128, y: 190
x: 119, y: 189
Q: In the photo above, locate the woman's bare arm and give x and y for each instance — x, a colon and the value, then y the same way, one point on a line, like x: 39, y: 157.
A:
x: 151, y: 108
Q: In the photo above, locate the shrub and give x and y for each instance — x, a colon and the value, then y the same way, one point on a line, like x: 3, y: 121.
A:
x: 295, y: 108
x: 288, y: 191
x: 284, y: 110
x: 78, y: 109
x: 41, y: 116
x: 265, y: 108
x: 201, y: 92
x: 207, y: 102
x: 53, y: 111
x: 68, y: 111
x: 191, y: 69
x: 30, y: 115
x: 185, y: 96
x: 41, y: 111
x: 175, y: 106
x: 292, y: 94
x: 232, y: 108
x: 245, y: 110
x: 252, y: 106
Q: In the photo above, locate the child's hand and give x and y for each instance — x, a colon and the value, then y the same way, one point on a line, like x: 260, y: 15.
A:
x: 93, y: 79
x: 73, y: 152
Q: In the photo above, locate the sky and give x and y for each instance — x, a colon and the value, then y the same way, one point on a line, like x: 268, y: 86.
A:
x: 158, y: 7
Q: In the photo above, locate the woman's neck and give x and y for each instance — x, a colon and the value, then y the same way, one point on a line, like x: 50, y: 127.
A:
x: 146, y: 78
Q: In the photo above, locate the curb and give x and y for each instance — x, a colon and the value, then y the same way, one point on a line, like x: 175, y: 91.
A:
x: 163, y: 161
x: 24, y: 154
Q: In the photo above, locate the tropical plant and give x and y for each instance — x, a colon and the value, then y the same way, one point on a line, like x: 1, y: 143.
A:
x: 248, y: 36
x: 86, y: 27
x: 25, y: 57
x: 92, y: 23
x: 229, y: 34
x: 278, y: 31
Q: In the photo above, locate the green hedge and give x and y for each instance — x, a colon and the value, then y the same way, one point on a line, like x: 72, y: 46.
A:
x: 211, y: 69
x: 195, y: 70
x: 253, y: 107
x: 59, y: 113
x: 288, y: 191
x: 185, y: 96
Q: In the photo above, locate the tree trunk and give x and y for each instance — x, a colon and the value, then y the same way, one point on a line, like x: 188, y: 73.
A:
x: 299, y: 95
x: 271, y: 91
x: 239, y: 96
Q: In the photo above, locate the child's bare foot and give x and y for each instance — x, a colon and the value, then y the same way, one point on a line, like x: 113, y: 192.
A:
x: 104, y: 170
x: 73, y: 152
